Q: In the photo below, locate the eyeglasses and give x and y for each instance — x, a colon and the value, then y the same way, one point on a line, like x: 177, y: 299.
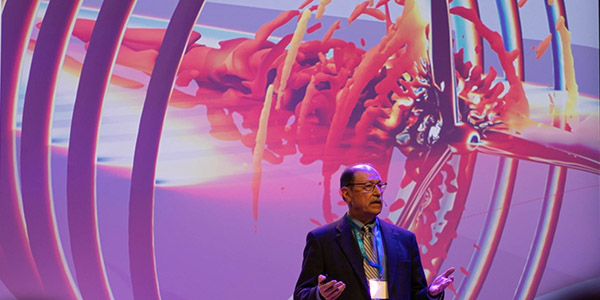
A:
x: 369, y: 186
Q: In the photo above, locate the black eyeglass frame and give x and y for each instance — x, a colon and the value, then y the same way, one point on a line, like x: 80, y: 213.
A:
x: 380, y: 185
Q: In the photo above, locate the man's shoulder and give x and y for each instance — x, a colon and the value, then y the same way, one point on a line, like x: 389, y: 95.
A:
x: 396, y: 229
x: 330, y: 228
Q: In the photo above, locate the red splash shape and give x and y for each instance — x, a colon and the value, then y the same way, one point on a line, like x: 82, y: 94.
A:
x: 314, y: 28
x: 398, y: 204
x: 305, y: 3
x: 543, y: 46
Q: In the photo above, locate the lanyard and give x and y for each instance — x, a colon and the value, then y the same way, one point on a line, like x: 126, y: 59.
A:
x: 378, y: 245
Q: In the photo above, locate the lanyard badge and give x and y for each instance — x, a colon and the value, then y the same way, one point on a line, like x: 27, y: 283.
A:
x: 378, y: 289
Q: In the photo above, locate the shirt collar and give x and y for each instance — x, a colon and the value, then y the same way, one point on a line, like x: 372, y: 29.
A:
x: 359, y: 224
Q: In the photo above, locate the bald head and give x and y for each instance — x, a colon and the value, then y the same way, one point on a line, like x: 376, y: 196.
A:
x: 348, y: 174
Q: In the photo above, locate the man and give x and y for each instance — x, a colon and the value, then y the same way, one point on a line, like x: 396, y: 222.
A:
x: 362, y: 257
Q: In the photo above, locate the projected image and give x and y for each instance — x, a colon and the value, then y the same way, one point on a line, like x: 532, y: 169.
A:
x: 186, y: 152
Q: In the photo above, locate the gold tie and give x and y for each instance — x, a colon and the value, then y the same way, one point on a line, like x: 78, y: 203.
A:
x: 370, y: 271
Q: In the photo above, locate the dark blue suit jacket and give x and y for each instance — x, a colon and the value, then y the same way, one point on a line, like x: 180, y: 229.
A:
x: 332, y: 249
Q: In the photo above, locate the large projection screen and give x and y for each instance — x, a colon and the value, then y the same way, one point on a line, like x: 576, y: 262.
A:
x: 184, y: 149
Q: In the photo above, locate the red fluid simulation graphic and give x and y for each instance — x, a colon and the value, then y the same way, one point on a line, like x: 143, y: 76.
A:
x: 342, y: 104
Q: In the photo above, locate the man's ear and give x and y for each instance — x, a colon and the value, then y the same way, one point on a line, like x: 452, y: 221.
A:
x: 345, y: 193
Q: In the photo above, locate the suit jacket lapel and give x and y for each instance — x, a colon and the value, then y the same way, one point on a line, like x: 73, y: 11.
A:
x: 392, y: 251
x: 350, y: 249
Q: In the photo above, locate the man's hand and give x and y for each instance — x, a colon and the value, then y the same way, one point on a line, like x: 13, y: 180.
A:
x: 330, y: 290
x: 441, y: 282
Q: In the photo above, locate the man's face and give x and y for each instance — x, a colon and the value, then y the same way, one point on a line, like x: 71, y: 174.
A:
x: 363, y: 205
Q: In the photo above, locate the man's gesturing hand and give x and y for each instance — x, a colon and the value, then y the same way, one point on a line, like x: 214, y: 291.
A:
x: 330, y: 290
x: 441, y: 282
